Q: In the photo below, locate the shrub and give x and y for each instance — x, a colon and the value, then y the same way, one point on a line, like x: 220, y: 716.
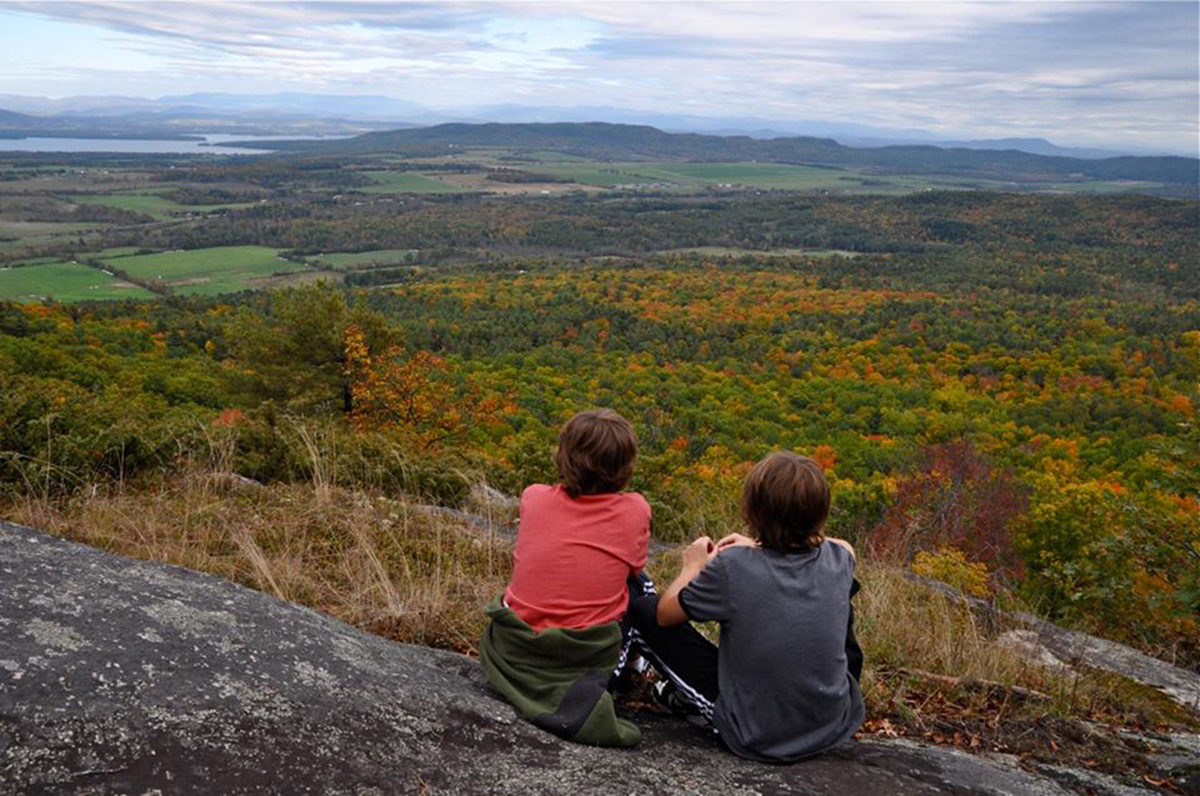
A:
x: 952, y: 567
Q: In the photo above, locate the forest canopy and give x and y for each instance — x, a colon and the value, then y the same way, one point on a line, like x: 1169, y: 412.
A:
x: 1001, y: 387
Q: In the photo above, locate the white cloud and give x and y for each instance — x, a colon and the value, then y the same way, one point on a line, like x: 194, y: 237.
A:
x: 1068, y: 70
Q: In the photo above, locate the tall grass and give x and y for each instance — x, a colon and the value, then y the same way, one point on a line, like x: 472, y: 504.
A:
x: 382, y: 563
x: 417, y: 573
x: 926, y: 652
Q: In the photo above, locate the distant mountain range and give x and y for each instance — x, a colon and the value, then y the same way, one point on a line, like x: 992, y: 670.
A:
x: 300, y: 113
x: 190, y: 115
x: 1034, y: 146
x: 640, y: 142
x: 1005, y: 159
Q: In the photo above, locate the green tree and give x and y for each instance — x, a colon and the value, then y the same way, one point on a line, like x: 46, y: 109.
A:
x: 294, y: 352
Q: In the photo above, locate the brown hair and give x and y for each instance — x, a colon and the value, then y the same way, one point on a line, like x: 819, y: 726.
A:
x: 595, y: 453
x: 785, y: 502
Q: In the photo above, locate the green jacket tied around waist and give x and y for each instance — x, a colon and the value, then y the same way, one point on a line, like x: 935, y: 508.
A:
x: 557, y: 678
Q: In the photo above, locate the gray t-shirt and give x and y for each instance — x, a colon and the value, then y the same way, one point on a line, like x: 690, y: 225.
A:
x: 785, y: 691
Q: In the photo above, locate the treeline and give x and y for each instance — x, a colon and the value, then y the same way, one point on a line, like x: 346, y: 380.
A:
x: 1047, y: 437
x: 1144, y: 240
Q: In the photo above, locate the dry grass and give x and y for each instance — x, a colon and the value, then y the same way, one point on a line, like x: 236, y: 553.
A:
x: 918, y: 644
x: 903, y: 624
x: 409, y: 573
x: 382, y: 564
x: 928, y: 655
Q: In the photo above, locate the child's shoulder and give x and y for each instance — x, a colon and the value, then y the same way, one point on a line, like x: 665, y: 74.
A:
x: 839, y: 554
x: 537, y: 496
x: 632, y: 502
x: 537, y: 490
x: 636, y: 499
x: 633, y: 505
x: 839, y: 547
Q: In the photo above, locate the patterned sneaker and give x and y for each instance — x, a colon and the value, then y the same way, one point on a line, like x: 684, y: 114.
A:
x: 667, y: 696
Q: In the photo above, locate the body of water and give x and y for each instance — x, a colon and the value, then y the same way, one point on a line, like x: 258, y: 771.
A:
x: 150, y: 146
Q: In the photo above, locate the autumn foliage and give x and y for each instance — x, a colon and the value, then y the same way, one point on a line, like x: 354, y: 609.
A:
x: 955, y: 500
x: 414, y: 396
x: 1014, y: 408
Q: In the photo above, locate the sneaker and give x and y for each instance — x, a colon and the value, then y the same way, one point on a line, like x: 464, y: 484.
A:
x: 666, y: 695
x: 632, y: 682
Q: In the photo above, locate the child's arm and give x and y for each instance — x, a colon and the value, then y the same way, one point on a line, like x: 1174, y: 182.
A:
x: 695, y: 557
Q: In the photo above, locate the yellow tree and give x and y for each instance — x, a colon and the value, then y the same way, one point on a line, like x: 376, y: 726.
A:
x: 416, y: 396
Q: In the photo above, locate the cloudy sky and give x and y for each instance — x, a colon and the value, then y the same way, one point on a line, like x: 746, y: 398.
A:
x: 1108, y: 73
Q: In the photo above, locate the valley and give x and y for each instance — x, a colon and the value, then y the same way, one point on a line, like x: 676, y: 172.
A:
x: 372, y: 350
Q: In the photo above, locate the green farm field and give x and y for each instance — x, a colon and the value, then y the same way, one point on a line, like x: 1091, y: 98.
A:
x: 64, y: 282
x: 406, y: 182
x: 607, y: 175
x: 694, y: 176
x: 364, y: 259
x: 765, y: 176
x: 62, y: 180
x: 33, y: 229
x: 19, y: 239
x: 151, y: 204
x: 104, y: 254
x: 1096, y: 186
x: 147, y: 203
x: 754, y: 175
x: 551, y: 156
x: 222, y: 269
x: 728, y: 251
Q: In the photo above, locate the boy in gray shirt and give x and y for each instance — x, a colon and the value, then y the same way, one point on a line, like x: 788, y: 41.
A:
x: 783, y: 685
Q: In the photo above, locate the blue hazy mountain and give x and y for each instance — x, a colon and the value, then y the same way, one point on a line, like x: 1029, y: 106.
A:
x: 370, y: 111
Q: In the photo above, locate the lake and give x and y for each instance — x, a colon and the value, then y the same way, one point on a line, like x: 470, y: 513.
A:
x: 149, y: 146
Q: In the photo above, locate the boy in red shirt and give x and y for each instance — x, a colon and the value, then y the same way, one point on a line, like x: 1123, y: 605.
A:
x: 580, y: 540
x: 555, y: 641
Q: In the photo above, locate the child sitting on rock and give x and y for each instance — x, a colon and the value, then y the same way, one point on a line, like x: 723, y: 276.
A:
x: 783, y: 684
x: 555, y: 639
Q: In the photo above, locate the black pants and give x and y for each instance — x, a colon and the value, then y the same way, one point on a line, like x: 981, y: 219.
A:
x: 686, y: 658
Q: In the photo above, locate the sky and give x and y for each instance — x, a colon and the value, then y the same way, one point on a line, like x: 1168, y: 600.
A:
x: 1086, y: 73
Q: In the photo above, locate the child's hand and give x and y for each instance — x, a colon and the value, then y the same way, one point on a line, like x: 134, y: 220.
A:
x: 736, y: 540
x: 699, y: 553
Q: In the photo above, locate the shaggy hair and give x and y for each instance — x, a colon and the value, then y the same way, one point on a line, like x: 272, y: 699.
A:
x: 595, y: 453
x: 785, y: 502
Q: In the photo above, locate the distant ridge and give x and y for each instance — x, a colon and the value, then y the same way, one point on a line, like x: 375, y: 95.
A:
x: 8, y: 118
x: 606, y: 141
x: 1035, y: 146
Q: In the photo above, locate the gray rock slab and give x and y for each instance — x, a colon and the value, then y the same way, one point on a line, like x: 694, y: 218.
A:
x: 1072, y: 646
x: 122, y: 676
x: 1047, y: 644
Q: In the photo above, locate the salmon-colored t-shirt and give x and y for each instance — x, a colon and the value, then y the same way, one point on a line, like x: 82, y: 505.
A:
x: 574, y: 555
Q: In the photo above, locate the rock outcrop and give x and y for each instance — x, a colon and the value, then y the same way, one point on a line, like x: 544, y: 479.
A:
x: 1047, y: 644
x: 121, y: 676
